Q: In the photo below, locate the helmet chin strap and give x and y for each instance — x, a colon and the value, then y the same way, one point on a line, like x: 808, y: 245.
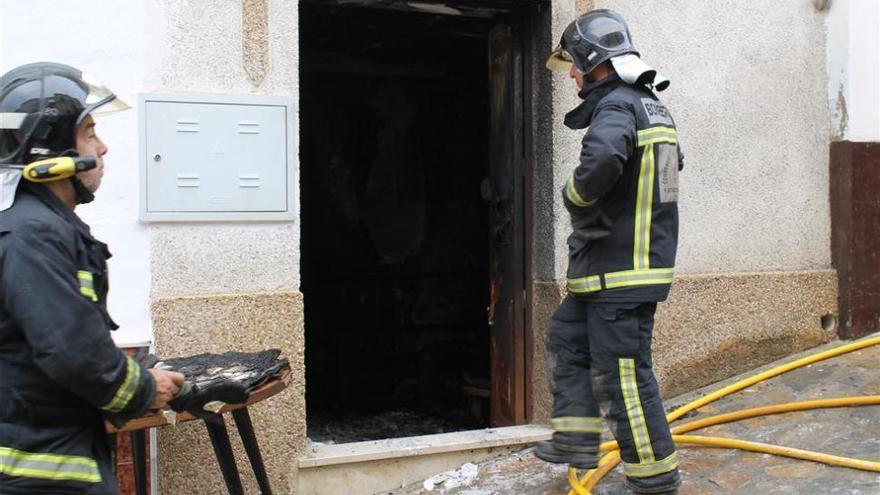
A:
x: 82, y: 195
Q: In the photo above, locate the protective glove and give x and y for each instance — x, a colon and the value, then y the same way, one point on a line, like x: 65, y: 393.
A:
x: 193, y: 398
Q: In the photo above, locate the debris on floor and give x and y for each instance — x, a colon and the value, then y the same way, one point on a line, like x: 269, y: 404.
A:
x: 455, y: 478
x: 848, y: 431
x: 331, y: 428
x: 518, y: 473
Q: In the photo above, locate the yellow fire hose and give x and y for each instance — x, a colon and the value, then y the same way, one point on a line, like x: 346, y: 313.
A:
x: 612, y: 459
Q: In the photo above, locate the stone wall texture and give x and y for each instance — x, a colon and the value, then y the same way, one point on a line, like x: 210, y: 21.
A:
x: 243, y: 322
x: 715, y: 326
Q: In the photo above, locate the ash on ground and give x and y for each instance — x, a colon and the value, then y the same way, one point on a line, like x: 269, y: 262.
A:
x: 329, y: 427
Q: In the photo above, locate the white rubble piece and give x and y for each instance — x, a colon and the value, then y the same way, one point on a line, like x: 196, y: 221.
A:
x: 463, y: 476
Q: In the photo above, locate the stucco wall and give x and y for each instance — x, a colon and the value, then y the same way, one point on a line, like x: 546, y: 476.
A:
x: 748, y: 91
x: 201, y: 50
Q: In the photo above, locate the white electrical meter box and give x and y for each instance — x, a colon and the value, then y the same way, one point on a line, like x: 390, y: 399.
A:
x: 216, y: 158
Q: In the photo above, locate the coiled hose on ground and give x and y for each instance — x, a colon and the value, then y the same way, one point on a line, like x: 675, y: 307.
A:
x: 610, y: 460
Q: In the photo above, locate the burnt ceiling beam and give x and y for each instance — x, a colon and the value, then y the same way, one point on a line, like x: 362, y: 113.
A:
x: 466, y: 8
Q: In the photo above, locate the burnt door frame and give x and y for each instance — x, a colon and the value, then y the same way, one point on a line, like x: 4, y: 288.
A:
x: 508, y: 193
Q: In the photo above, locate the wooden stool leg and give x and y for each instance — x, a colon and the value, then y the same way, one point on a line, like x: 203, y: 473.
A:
x: 139, y: 460
x: 223, y: 451
x: 249, y: 439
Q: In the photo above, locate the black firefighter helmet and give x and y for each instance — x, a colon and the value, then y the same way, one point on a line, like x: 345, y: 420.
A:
x: 41, y: 106
x: 591, y: 39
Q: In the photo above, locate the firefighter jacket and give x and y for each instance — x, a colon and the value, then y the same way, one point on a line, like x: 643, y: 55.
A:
x: 623, y: 195
x: 61, y: 375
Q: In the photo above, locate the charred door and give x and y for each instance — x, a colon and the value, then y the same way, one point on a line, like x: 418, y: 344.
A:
x: 505, y: 193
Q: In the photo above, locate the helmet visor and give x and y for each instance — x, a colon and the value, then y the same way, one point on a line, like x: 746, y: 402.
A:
x: 99, y: 100
x: 605, y: 32
x: 559, y: 60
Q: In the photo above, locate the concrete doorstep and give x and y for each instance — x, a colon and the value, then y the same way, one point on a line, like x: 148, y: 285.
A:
x: 383, y: 465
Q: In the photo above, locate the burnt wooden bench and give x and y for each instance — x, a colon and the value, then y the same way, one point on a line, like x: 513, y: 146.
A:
x: 138, y: 427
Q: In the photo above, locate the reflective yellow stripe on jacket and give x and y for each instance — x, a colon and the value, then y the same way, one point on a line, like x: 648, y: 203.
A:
x: 615, y: 280
x: 642, y: 273
x: 644, y: 210
x: 125, y: 391
x: 660, y: 134
x: 87, y: 285
x: 575, y: 197
x: 647, y: 138
x: 15, y: 462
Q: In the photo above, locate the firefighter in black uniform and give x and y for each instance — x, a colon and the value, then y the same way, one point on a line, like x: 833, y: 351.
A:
x: 61, y: 375
x: 622, y: 199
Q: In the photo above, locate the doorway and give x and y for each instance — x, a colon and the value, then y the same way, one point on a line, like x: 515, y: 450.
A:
x: 413, y: 218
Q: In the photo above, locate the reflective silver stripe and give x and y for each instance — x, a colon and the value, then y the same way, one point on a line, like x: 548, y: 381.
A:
x: 626, y: 278
x: 644, y: 470
x: 577, y: 424
x: 125, y: 391
x: 15, y: 462
x: 634, y: 413
x: 573, y: 196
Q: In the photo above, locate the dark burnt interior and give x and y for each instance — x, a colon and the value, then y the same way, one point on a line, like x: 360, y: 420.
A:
x: 395, y: 235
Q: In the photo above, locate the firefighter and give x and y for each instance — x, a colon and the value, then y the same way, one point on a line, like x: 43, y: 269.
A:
x: 61, y: 376
x: 622, y: 199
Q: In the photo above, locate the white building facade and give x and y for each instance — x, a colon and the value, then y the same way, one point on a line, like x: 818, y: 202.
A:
x: 758, y: 93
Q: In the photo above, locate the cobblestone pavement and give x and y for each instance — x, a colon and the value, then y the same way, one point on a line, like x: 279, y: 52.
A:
x: 850, y: 432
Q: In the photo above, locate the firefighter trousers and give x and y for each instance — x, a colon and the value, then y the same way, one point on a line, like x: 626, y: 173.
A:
x: 599, y: 357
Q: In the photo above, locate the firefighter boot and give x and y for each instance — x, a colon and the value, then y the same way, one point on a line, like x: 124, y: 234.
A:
x: 580, y: 450
x: 662, y: 484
